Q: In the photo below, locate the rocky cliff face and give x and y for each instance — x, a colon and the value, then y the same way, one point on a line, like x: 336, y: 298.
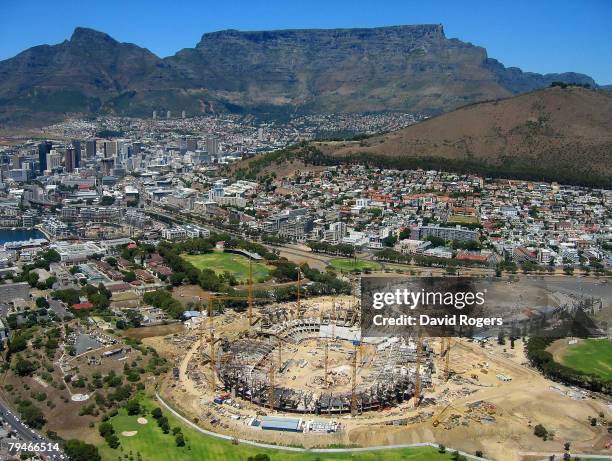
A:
x: 408, y: 68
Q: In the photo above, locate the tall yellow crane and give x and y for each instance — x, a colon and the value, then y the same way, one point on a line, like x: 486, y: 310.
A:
x: 357, y: 349
x: 326, y: 381
x: 211, y: 331
x: 417, y: 370
x: 250, y: 292
x: 445, y: 347
x: 326, y: 349
x: 271, y: 384
x: 280, y: 352
x: 299, y: 287
x: 447, y: 359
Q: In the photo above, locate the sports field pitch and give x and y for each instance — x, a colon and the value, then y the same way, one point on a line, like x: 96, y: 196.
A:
x: 154, y: 445
x: 235, y: 264
x: 463, y: 219
x: 593, y: 356
x: 347, y: 265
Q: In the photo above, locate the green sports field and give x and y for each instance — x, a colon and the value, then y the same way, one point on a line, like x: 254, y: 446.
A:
x: 461, y: 219
x: 593, y: 356
x: 235, y: 264
x: 347, y: 265
x: 154, y: 445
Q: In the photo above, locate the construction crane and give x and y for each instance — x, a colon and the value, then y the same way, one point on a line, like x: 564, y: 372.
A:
x: 211, y: 331
x: 357, y: 349
x: 299, y: 288
x: 326, y: 359
x: 335, y: 319
x: 326, y: 349
x: 250, y: 297
x: 250, y: 292
x: 442, y: 415
x: 447, y: 359
x: 280, y: 353
x: 417, y: 370
x: 271, y: 381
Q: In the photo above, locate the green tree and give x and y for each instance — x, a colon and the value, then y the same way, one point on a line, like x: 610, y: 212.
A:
x: 132, y: 407
x: 31, y: 415
x: 18, y: 344
x: 81, y: 451
x: 540, y: 431
x: 24, y: 367
x: 259, y: 457
x: 107, y: 200
x: 42, y: 303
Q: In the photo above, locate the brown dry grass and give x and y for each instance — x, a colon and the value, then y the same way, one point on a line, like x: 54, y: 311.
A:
x: 554, y: 125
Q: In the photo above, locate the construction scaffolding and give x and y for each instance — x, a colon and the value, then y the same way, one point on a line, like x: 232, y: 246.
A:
x: 397, y: 369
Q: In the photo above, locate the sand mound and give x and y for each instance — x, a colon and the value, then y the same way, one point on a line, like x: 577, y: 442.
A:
x: 129, y: 433
x: 142, y: 421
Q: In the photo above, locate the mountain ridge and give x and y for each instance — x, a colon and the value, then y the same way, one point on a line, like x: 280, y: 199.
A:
x: 562, y: 134
x: 413, y: 68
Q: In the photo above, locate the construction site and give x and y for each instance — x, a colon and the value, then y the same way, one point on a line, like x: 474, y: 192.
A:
x: 318, y: 363
x: 303, y: 367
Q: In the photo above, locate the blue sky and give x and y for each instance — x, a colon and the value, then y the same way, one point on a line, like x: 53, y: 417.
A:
x: 537, y: 35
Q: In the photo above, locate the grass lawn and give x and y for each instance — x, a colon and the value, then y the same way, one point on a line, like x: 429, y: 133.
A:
x: 592, y: 356
x: 348, y: 265
x: 461, y: 219
x: 235, y: 264
x: 403, y: 267
x: 154, y: 445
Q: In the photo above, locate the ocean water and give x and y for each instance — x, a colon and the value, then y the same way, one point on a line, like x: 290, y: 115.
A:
x: 16, y: 235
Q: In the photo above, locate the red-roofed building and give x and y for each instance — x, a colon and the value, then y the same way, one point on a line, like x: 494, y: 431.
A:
x: 471, y: 256
x: 82, y: 306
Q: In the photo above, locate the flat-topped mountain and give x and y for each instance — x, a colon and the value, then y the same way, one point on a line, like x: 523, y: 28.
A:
x: 277, y: 73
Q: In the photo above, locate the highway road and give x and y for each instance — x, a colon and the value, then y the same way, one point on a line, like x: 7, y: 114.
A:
x: 27, y: 435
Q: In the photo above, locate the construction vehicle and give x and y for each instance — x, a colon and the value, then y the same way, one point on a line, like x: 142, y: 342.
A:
x: 441, y: 417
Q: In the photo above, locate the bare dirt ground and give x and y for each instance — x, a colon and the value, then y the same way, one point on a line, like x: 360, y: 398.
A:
x: 153, y: 331
x: 501, y: 427
x: 302, y: 254
x: 188, y: 293
x: 312, y: 373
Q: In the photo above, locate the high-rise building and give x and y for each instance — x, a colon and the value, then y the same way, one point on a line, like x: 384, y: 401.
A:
x: 188, y: 144
x: 77, y: 152
x: 212, y: 146
x: 70, y: 159
x: 53, y: 160
x: 338, y: 230
x: 43, y: 150
x: 90, y: 148
x: 111, y: 148
x: 107, y: 166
